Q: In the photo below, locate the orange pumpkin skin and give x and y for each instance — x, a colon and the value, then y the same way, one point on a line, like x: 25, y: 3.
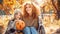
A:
x: 20, y: 25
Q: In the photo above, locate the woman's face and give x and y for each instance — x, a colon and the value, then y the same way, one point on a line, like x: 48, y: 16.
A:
x: 28, y: 9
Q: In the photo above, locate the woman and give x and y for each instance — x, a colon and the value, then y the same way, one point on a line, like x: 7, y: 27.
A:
x: 30, y: 17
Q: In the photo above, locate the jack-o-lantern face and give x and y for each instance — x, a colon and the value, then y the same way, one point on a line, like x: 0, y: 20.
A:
x: 20, y: 25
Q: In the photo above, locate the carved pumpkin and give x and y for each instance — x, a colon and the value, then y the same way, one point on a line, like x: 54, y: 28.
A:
x: 20, y: 25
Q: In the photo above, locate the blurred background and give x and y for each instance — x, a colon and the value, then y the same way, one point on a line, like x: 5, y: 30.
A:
x: 50, y: 11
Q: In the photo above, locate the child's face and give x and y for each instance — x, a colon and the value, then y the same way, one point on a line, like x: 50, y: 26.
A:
x: 17, y: 16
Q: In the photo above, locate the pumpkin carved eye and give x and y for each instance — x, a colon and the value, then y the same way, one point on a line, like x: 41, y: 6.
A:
x: 17, y: 23
x: 22, y: 22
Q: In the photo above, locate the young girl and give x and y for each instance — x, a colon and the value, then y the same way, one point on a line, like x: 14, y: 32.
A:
x: 11, y: 25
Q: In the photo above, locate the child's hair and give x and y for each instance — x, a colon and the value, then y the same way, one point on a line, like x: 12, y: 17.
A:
x: 16, y: 13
